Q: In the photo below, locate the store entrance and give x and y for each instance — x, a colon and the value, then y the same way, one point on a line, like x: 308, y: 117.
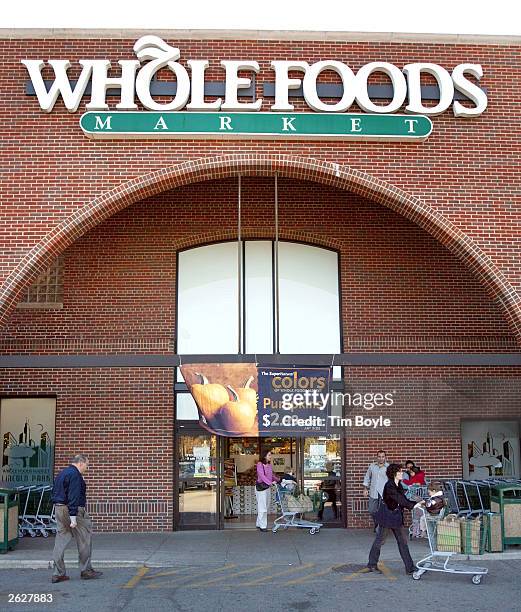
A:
x: 217, y: 475
x: 240, y: 475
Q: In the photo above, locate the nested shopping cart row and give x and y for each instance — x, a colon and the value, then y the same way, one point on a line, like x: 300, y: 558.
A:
x: 472, y: 497
x: 36, y: 511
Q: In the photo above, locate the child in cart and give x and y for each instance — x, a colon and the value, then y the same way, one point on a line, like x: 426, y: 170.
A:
x: 433, y: 505
x: 288, y: 481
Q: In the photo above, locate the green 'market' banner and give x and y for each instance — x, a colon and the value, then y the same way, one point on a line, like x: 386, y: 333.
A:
x: 147, y: 124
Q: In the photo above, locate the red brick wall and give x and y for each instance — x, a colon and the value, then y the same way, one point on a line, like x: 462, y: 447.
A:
x: 467, y: 169
x: 429, y: 407
x: 401, y: 291
x: 123, y: 420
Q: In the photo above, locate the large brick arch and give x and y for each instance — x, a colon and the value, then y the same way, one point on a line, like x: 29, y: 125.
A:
x: 331, y: 174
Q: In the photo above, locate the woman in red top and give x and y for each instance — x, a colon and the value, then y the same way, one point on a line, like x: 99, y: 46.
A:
x: 417, y: 476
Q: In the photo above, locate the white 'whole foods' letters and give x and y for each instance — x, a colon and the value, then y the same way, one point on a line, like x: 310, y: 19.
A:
x: 154, y: 54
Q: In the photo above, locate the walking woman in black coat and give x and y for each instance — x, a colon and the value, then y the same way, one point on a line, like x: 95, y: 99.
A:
x: 391, y: 517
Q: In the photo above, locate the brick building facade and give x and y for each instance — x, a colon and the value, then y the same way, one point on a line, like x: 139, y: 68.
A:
x: 428, y: 236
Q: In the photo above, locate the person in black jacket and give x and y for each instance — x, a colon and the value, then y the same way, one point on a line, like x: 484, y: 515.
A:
x: 69, y: 496
x: 393, y: 498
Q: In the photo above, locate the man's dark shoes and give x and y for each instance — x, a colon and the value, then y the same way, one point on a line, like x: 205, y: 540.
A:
x: 90, y: 574
x: 56, y: 579
x: 372, y: 568
x: 410, y: 572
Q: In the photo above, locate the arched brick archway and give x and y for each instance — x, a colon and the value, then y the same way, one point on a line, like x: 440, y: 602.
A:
x: 331, y: 174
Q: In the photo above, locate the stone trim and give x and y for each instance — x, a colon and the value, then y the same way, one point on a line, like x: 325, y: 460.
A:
x: 290, y: 35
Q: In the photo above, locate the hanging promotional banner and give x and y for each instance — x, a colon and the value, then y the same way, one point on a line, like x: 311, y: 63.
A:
x: 294, y: 400
x: 243, y: 399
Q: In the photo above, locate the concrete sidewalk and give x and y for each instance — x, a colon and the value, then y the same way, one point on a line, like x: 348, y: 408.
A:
x: 211, y: 548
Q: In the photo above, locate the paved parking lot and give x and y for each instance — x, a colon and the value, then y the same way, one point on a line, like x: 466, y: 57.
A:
x: 263, y: 586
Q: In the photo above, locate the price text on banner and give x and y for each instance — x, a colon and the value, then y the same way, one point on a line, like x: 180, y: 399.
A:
x: 294, y: 400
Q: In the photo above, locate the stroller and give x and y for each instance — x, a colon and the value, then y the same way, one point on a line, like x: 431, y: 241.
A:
x: 292, y: 508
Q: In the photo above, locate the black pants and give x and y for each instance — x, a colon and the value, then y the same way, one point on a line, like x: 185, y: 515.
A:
x: 399, y: 534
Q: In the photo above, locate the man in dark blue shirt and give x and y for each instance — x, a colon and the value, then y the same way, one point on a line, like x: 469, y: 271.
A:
x: 69, y: 496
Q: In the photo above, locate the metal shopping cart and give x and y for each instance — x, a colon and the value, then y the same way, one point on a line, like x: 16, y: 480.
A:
x: 291, y: 512
x: 25, y: 523
x: 45, y: 520
x: 36, y: 512
x: 415, y: 493
x: 440, y: 561
x: 449, y: 491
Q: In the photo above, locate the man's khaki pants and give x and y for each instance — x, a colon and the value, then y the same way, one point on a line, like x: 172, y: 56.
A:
x: 82, y: 533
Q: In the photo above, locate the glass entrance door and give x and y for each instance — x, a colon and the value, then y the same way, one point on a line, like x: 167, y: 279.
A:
x: 216, y: 478
x: 198, y: 481
x: 322, y: 478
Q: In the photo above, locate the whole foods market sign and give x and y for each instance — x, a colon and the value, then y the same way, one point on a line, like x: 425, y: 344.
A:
x: 189, y: 91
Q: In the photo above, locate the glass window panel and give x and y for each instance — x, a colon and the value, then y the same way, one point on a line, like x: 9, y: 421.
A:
x: 258, y: 296
x: 207, y: 300
x: 186, y: 409
x: 323, y: 477
x: 308, y: 300
x: 197, y: 484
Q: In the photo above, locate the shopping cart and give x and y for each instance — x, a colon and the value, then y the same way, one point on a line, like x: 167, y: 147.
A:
x: 440, y: 561
x: 291, y: 511
x: 45, y: 520
x: 25, y: 523
x: 416, y: 493
x: 484, y: 493
x: 36, y: 512
x: 449, y: 491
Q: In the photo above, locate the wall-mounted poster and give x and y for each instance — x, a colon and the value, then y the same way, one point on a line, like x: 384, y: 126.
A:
x: 27, y: 435
x: 490, y: 448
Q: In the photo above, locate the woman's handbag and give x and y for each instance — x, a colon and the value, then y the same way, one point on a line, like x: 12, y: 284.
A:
x: 262, y: 486
x: 389, y: 519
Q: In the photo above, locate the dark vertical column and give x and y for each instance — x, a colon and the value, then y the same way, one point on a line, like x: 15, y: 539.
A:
x: 276, y: 348
x: 240, y: 287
